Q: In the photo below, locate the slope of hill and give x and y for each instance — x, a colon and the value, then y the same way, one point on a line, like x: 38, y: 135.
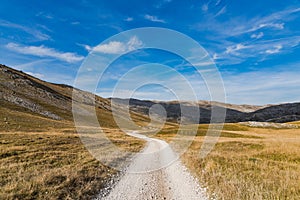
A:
x: 277, y: 113
x: 22, y: 94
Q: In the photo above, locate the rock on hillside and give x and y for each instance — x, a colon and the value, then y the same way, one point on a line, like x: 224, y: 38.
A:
x: 20, y: 90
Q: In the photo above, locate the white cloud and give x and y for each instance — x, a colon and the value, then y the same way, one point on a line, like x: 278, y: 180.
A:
x: 274, y: 25
x: 258, y: 35
x: 113, y: 47
x: 128, y: 19
x: 86, y: 47
x: 205, y: 63
x: 279, y: 26
x: 44, y: 15
x: 43, y: 51
x: 154, y: 18
x: 117, y: 47
x: 276, y: 49
x: 75, y: 23
x: 235, y: 48
x: 134, y: 43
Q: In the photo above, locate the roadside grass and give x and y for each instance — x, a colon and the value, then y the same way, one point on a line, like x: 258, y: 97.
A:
x: 228, y: 127
x: 20, y: 119
x: 54, y: 164
x: 266, y: 166
x: 228, y: 131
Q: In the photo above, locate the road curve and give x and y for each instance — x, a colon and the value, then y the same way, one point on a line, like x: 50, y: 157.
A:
x: 155, y: 173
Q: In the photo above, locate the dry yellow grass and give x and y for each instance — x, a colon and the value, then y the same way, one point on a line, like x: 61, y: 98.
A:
x: 41, y: 158
x: 252, y: 163
x: 53, y: 165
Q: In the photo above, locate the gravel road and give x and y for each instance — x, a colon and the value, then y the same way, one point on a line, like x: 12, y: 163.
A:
x: 155, y: 173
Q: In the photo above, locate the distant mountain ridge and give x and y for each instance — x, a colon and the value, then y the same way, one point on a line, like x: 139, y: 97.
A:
x: 234, y: 113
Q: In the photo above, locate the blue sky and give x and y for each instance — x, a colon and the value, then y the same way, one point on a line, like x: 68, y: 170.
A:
x: 254, y: 45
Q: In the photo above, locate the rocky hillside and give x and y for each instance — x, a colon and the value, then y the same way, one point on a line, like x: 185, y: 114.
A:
x: 26, y: 100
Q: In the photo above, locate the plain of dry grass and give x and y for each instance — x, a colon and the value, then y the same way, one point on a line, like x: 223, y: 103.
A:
x: 54, y: 164
x: 247, y: 163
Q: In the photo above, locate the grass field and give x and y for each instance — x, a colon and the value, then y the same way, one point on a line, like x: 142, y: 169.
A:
x: 41, y: 158
x: 247, y: 163
x: 45, y: 159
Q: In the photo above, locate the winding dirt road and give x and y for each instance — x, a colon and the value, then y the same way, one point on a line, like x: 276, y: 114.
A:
x: 151, y: 176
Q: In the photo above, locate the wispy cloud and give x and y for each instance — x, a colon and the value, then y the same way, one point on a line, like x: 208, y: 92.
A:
x: 116, y: 47
x: 276, y: 49
x: 154, y: 18
x: 278, y: 26
x: 238, y: 53
x: 33, y: 32
x: 213, y: 6
x: 238, y: 25
x: 221, y: 12
x: 218, y: 2
x: 257, y: 28
x: 235, y: 49
x: 29, y: 66
x: 44, y: 15
x: 258, y: 35
x: 42, y: 51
